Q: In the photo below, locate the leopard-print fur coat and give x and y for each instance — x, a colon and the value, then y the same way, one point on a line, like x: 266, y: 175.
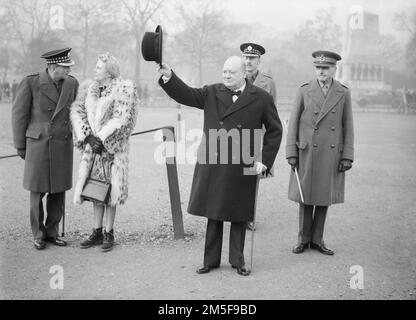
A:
x: 111, y: 116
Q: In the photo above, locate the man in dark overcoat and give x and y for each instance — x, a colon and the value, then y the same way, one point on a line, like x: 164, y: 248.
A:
x: 224, y: 182
x: 320, y: 144
x: 42, y: 137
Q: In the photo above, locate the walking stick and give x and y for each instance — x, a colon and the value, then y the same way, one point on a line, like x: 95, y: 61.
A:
x: 254, y: 222
x: 63, y: 219
x: 299, y: 186
x: 10, y: 156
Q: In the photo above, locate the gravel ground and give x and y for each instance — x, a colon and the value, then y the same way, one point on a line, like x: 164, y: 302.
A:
x: 374, y: 228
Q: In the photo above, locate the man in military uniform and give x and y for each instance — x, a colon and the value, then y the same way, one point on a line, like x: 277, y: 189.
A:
x: 42, y: 137
x: 251, y: 53
x: 320, y: 145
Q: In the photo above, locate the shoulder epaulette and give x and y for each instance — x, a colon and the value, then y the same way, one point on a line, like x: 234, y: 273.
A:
x: 33, y: 74
x: 345, y: 86
x: 305, y: 84
x: 267, y: 76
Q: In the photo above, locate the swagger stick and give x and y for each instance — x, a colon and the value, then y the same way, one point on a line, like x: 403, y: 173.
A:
x: 299, y: 186
x: 254, y: 222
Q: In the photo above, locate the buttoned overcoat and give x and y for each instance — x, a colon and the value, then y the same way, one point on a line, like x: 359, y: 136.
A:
x: 40, y: 121
x: 320, y: 133
x: 224, y: 190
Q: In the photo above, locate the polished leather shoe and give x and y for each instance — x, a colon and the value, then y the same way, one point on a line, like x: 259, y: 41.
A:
x: 39, y: 244
x: 322, y: 249
x: 300, y: 247
x: 56, y: 241
x: 205, y: 269
x: 243, y: 270
x: 250, y: 226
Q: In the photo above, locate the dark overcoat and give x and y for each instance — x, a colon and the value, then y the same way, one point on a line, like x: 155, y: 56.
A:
x: 320, y: 133
x: 40, y: 121
x: 225, y: 191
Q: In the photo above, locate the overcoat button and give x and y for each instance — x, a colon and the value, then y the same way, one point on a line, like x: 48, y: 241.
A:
x: 239, y: 126
x: 315, y: 145
x: 316, y: 112
x: 50, y: 137
x: 333, y: 128
x: 221, y: 122
x: 332, y: 145
x: 333, y: 111
x: 316, y: 128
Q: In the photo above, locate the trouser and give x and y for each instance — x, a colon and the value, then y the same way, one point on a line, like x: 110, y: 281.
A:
x: 55, y: 208
x: 213, y: 243
x: 312, y: 223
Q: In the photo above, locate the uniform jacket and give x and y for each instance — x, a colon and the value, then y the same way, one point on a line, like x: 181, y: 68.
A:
x: 222, y: 191
x: 266, y: 83
x: 111, y: 117
x: 320, y: 133
x: 40, y: 121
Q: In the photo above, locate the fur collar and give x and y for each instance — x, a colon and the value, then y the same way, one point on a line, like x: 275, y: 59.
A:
x: 96, y: 105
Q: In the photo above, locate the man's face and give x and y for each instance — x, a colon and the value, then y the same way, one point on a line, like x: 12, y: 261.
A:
x: 60, y: 72
x: 233, y: 73
x: 252, y: 63
x: 324, y: 73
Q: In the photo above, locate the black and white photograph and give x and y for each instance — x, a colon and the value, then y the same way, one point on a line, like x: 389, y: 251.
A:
x: 221, y: 153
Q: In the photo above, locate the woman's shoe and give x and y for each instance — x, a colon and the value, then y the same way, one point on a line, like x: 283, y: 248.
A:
x: 108, y: 241
x: 94, y: 239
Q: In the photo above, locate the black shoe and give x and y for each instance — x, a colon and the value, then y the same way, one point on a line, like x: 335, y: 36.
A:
x: 300, y: 247
x: 39, y: 244
x: 56, y: 241
x: 250, y: 226
x: 95, y: 238
x: 322, y: 249
x: 205, y: 269
x: 108, y: 241
x: 243, y: 270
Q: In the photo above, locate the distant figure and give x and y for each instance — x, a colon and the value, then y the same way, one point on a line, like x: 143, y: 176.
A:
x: 14, y: 89
x: 103, y: 117
x: 42, y: 137
x: 320, y: 144
x: 7, y: 90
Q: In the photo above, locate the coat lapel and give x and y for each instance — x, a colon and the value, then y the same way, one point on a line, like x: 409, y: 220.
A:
x: 224, y: 96
x: 47, y: 86
x: 316, y: 94
x: 335, y: 94
x: 63, y: 99
x: 243, y: 100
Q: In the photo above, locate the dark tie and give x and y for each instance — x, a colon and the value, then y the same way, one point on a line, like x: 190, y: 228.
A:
x: 236, y: 93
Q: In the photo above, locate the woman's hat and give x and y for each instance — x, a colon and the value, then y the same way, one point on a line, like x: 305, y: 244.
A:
x: 152, y: 45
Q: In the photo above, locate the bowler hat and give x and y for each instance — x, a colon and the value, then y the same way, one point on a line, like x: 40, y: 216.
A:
x: 152, y: 45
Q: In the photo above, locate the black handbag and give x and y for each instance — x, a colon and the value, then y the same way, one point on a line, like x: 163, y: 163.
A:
x: 96, y: 190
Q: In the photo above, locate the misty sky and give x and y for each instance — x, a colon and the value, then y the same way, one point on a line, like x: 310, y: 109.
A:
x: 286, y: 15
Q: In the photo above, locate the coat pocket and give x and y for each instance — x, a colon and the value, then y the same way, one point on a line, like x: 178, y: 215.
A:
x: 302, y: 144
x: 34, y: 134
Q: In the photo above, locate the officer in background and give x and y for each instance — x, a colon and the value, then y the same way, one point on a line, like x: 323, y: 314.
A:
x: 42, y: 137
x: 251, y: 53
x: 320, y: 144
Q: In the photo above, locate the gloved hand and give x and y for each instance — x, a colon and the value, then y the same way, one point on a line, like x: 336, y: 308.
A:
x: 95, y: 143
x: 293, y: 162
x: 21, y: 153
x: 259, y: 167
x: 344, y: 165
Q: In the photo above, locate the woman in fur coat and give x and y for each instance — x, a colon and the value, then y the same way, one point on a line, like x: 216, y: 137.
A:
x: 103, y: 117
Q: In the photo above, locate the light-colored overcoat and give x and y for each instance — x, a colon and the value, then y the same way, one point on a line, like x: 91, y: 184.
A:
x: 111, y: 117
x: 320, y: 133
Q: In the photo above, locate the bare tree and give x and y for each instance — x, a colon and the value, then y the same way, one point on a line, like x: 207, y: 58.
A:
x: 137, y: 14
x: 202, y: 40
